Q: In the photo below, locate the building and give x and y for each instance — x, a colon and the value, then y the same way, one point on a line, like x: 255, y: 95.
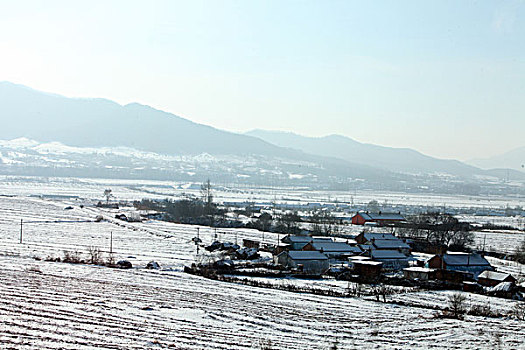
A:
x: 391, y: 259
x: 380, y: 218
x: 298, y: 242
x: 365, y: 237
x: 333, y: 250
x: 250, y: 243
x: 420, y: 273
x: 471, y: 263
x: 367, y: 269
x: 391, y: 244
x: 492, y: 278
x: 309, y: 262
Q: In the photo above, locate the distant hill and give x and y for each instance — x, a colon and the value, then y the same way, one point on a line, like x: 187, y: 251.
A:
x: 514, y: 159
x: 96, y: 123
x: 402, y: 160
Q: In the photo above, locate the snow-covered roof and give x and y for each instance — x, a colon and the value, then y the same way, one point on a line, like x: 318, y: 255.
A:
x: 305, y: 255
x: 418, y: 269
x: 381, y: 216
x: 368, y: 262
x: 358, y: 258
x: 379, y: 236
x: 387, y: 254
x: 390, y: 244
x: 493, y: 275
x: 465, y: 259
x: 500, y: 287
x: 335, y: 247
x: 305, y: 239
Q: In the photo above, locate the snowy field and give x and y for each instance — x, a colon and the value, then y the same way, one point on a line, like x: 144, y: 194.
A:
x: 51, y: 305
x: 136, y: 189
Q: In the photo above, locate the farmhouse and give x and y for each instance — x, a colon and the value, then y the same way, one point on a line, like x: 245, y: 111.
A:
x: 391, y: 244
x: 464, y: 262
x: 391, y: 259
x: 311, y: 262
x: 380, y: 218
x: 333, y: 250
x: 492, y: 278
x: 365, y: 237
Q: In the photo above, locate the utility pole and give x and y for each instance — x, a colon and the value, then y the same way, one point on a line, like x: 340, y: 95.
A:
x: 197, y: 241
x: 21, y: 231
x: 111, y: 242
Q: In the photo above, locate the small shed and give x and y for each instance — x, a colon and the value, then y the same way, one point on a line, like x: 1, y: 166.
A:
x: 492, y: 278
x: 250, y: 243
x: 419, y: 273
x: 311, y: 262
x: 367, y: 268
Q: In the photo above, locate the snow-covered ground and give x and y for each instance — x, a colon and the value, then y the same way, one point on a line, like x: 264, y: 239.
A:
x: 51, y: 305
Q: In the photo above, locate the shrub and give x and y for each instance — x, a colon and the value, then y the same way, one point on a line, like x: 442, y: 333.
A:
x: 518, y: 311
x: 456, y: 305
x: 95, y: 256
x: 72, y: 257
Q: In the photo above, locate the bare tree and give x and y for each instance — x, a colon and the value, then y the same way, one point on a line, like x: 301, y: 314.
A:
x: 439, y: 229
x: 107, y: 194
x: 520, y: 253
x: 518, y: 310
x: 95, y: 256
x: 289, y: 222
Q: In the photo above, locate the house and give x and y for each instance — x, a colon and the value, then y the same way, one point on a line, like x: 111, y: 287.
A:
x: 310, y: 262
x: 362, y: 217
x: 420, y: 273
x: 464, y: 262
x: 298, y: 242
x: 391, y: 244
x: 367, y: 268
x: 365, y: 237
x: 333, y: 250
x: 492, y: 278
x: 391, y: 259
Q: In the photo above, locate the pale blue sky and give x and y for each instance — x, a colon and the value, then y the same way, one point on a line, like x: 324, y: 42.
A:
x: 444, y: 77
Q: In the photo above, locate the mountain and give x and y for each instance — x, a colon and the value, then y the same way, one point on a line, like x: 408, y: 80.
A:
x: 85, y: 124
x: 402, y: 160
x: 25, y: 112
x: 514, y: 159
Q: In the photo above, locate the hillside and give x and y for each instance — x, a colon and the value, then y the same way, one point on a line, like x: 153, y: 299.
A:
x: 402, y: 160
x: 514, y: 159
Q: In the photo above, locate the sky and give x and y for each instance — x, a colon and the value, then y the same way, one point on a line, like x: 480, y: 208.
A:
x: 446, y: 78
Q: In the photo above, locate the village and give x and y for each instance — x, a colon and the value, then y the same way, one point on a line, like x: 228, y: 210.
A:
x: 374, y: 257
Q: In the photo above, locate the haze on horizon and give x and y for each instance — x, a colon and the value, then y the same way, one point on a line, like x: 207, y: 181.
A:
x: 445, y: 78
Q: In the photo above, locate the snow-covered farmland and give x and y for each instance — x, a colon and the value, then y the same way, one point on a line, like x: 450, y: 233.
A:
x: 51, y: 305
